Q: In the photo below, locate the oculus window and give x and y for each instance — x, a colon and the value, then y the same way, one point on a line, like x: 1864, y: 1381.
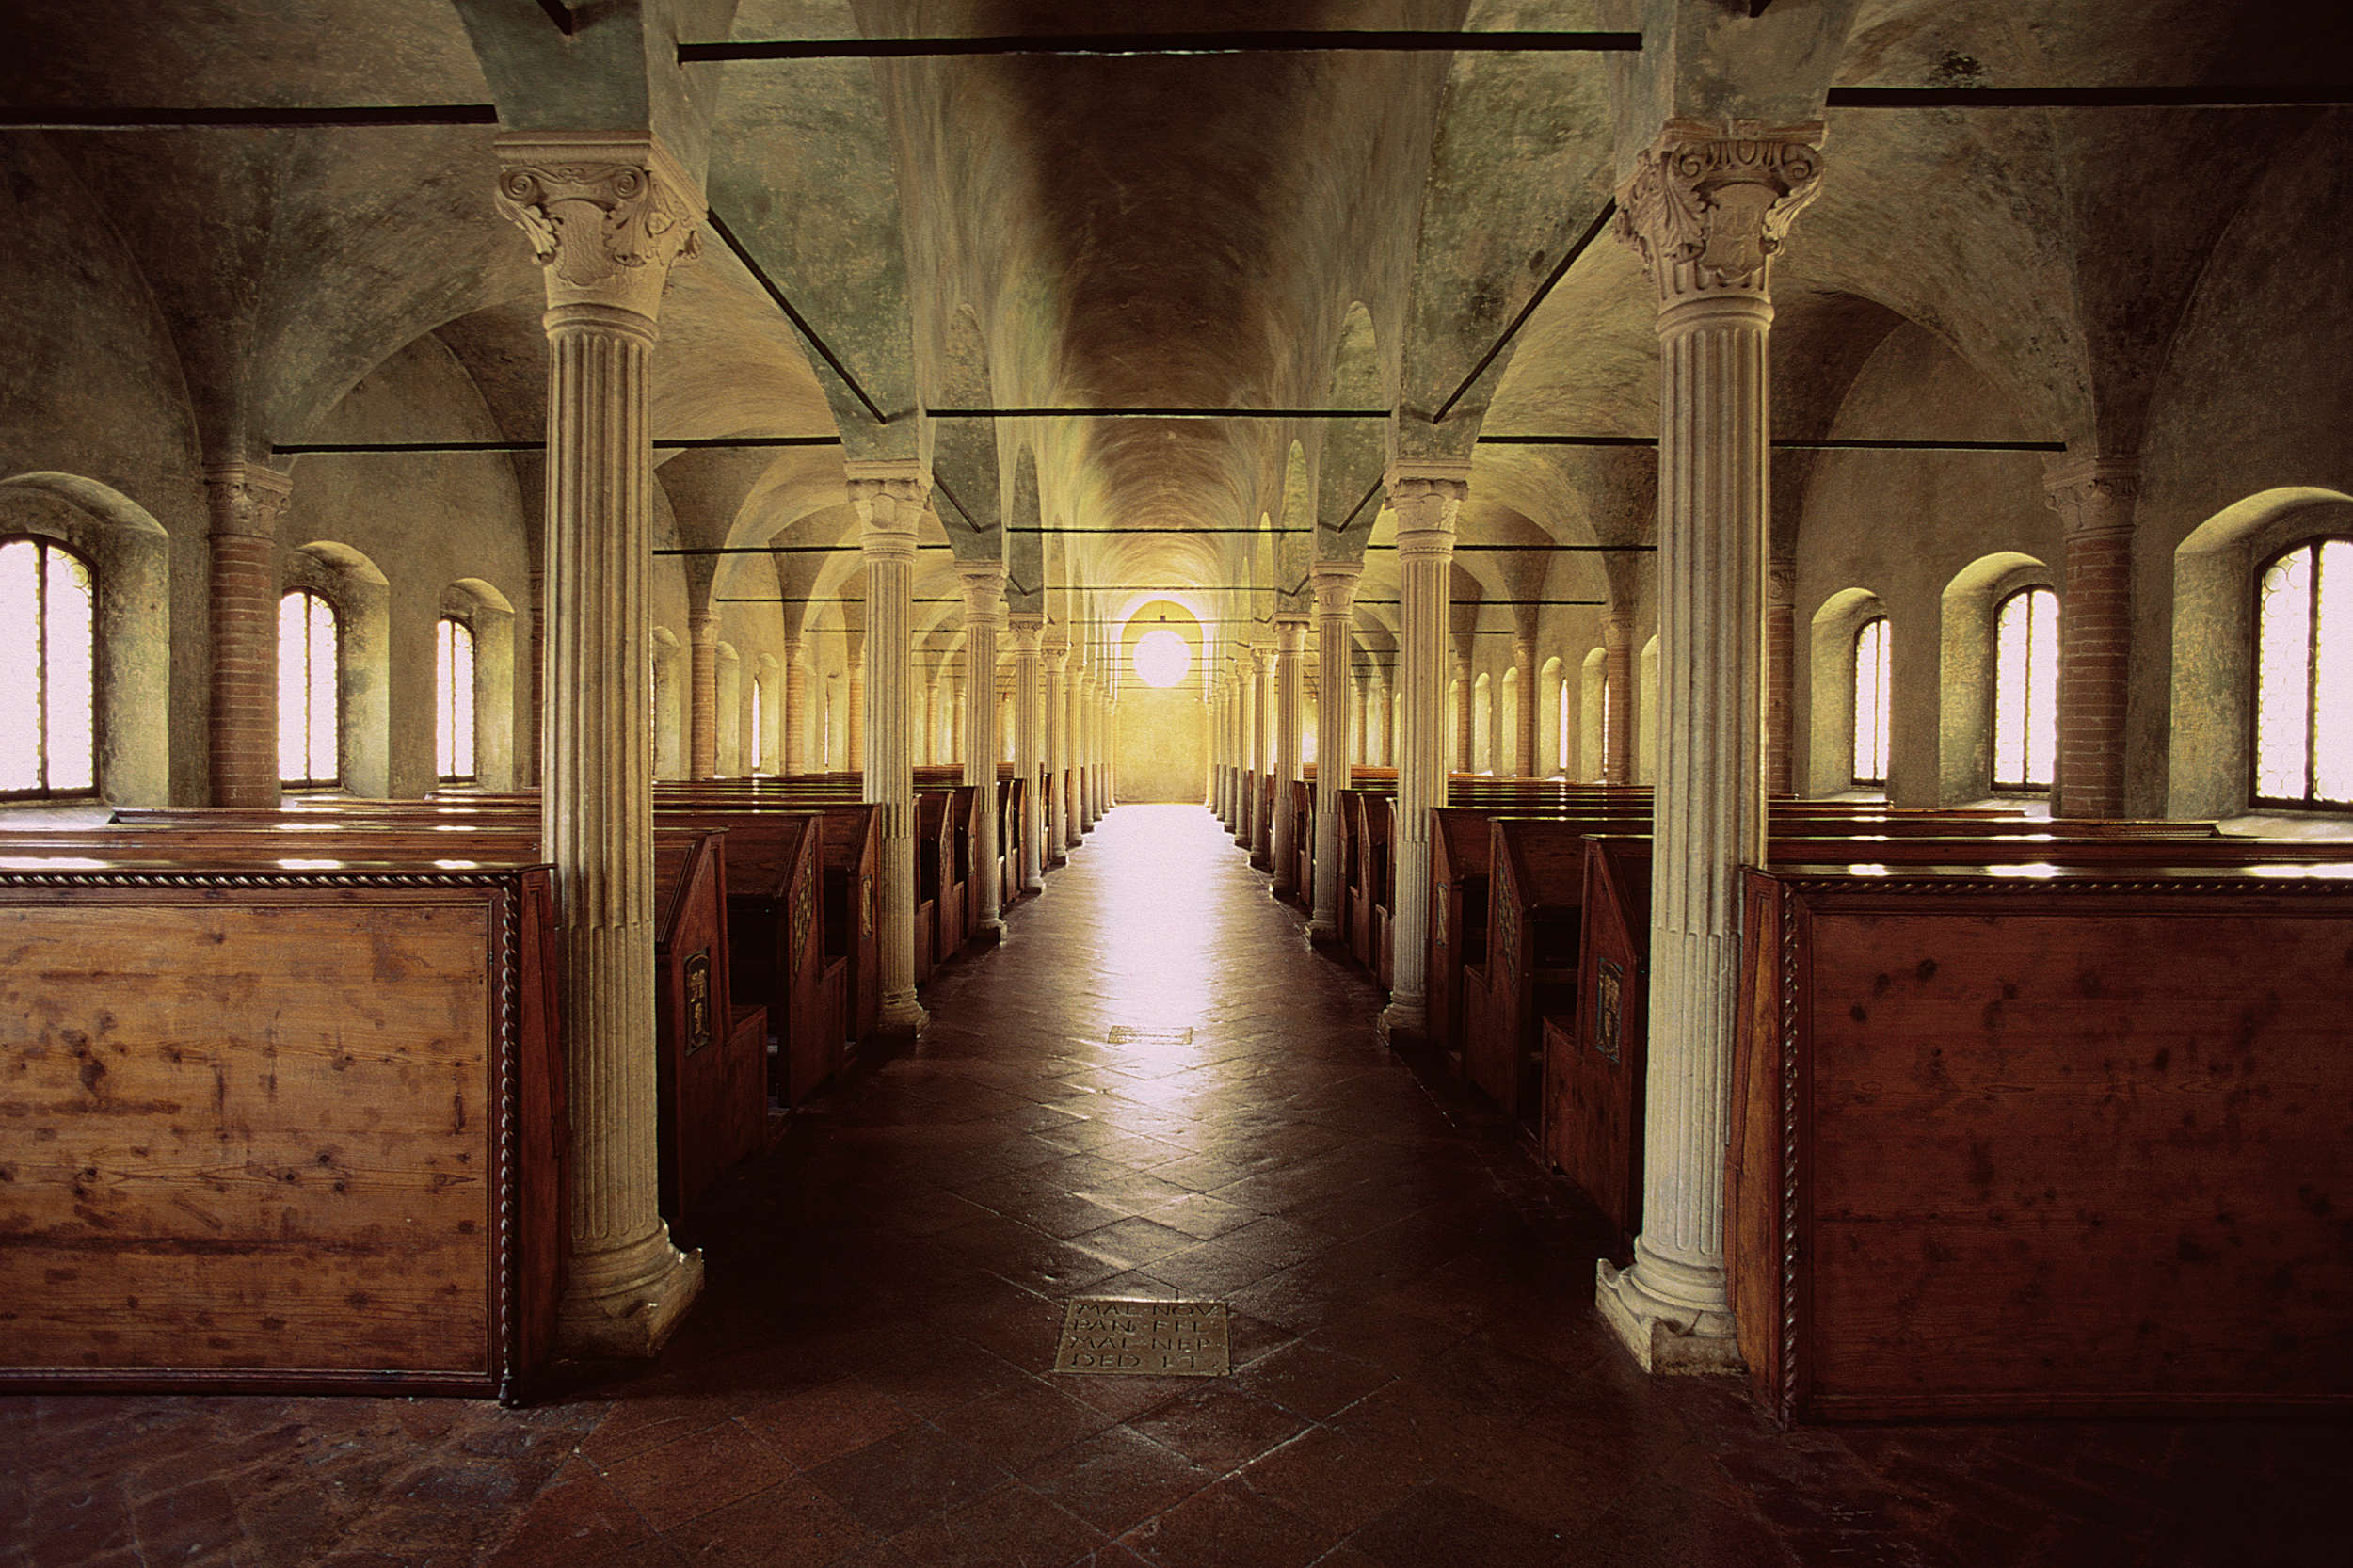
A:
x: 2304, y: 677
x: 1161, y: 658
x: 48, y: 671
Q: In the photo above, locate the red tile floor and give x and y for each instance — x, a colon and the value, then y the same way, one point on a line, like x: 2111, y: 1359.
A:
x: 1419, y: 1378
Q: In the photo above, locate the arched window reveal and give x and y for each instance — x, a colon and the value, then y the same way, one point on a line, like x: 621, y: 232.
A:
x: 48, y: 671
x: 2025, y: 690
x: 309, y: 704
x: 453, y: 700
x: 760, y: 730
x: 2304, y: 677
x: 1874, y: 704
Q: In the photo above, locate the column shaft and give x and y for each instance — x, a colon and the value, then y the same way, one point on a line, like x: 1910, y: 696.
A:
x: 702, y: 723
x: 247, y: 503
x: 1524, y: 749
x: 2095, y: 497
x: 1781, y: 655
x: 1427, y: 498
x: 1618, y: 697
x: 983, y: 590
x: 793, y: 749
x: 1290, y: 633
x: 1028, y: 761
x: 1465, y: 717
x: 1335, y: 704
x: 890, y: 498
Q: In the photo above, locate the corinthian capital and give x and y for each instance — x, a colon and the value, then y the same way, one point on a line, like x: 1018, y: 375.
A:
x: 889, y: 495
x: 984, y: 590
x: 1708, y: 205
x: 1425, y: 497
x: 1336, y: 587
x: 248, y: 499
x: 607, y: 214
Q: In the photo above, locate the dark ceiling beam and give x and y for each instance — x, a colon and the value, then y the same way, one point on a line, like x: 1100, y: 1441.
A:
x: 2315, y: 95
x: 1153, y: 532
x: 1560, y: 270
x: 698, y: 443
x: 561, y: 14
x: 333, y: 117
x: 1827, y: 444
x: 772, y: 549
x: 1128, y: 45
x: 1064, y: 412
x: 800, y: 323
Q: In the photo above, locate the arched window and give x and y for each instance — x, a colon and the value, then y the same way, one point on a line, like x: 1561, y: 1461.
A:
x: 310, y: 695
x: 2304, y: 677
x: 1874, y: 706
x: 1561, y: 735
x: 759, y: 731
x: 48, y: 671
x: 2025, y: 689
x: 453, y: 700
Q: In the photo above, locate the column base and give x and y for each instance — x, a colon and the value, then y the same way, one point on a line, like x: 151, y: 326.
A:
x: 1326, y: 934
x: 1404, y: 1022
x: 622, y: 1304
x: 989, y: 933
x: 1667, y: 1340
x: 900, y: 1016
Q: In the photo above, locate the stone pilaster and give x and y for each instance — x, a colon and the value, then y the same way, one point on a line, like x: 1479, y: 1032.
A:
x: 889, y: 497
x: 1247, y: 758
x: 1707, y: 207
x: 1074, y: 679
x: 854, y: 708
x: 1291, y: 650
x: 1029, y: 762
x: 1267, y: 722
x: 1524, y: 742
x: 983, y: 607
x: 1335, y: 699
x: 1781, y: 658
x: 607, y: 216
x: 702, y: 719
x: 527, y: 750
x: 247, y: 503
x: 1618, y: 697
x: 2095, y: 498
x: 1426, y: 497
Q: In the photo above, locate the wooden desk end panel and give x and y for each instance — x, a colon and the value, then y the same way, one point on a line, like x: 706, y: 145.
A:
x: 2078, y: 1159
x: 264, y: 1136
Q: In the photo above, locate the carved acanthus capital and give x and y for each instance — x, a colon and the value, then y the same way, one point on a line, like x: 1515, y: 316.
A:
x: 1336, y: 587
x: 2093, y: 495
x: 1028, y: 628
x: 1708, y: 205
x: 1426, y: 497
x: 1780, y: 583
x: 246, y: 499
x: 607, y: 214
x: 1290, y: 634
x: 984, y: 591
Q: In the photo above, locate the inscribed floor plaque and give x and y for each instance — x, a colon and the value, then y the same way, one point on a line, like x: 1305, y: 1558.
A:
x: 1145, y: 1338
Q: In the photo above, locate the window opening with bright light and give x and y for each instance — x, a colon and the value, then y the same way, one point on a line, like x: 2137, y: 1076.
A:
x: 48, y: 671
x: 2304, y: 677
x: 1161, y: 658
x: 453, y: 700
x: 2025, y: 690
x: 1873, y: 702
x: 309, y: 693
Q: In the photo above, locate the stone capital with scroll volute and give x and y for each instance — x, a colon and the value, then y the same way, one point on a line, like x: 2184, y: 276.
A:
x: 1709, y: 204
x: 2093, y: 495
x: 608, y: 214
x: 1426, y: 497
x: 248, y: 499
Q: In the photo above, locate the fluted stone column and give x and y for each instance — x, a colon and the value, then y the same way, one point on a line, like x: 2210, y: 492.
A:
x: 1290, y: 650
x: 607, y: 214
x: 853, y: 709
x: 1073, y: 679
x: 984, y: 605
x: 2095, y: 498
x: 889, y: 495
x: 1425, y: 497
x: 1618, y: 701
x: 1053, y: 742
x: 1524, y: 748
x: 957, y: 745
x: 1706, y: 208
x: 702, y: 718
x: 1268, y: 722
x: 794, y: 746
x: 247, y: 503
x: 1781, y: 658
x: 1247, y: 754
x: 1335, y: 702
x: 1465, y: 716
x: 1028, y: 629
x: 527, y: 747
x: 1221, y: 753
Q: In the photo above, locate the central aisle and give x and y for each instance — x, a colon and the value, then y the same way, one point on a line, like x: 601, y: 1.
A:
x: 1419, y: 1378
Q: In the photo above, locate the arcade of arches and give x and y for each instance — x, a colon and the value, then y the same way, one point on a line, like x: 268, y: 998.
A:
x: 564, y: 410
